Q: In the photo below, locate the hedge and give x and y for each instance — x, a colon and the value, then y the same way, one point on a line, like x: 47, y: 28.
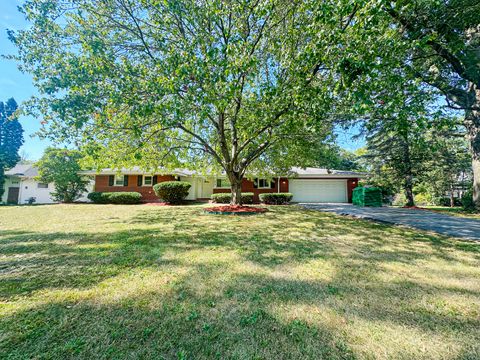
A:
x: 467, y: 201
x: 115, y: 197
x: 226, y: 198
x: 173, y: 192
x: 276, y: 198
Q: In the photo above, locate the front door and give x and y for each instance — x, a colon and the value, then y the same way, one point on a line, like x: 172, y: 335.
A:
x: 207, y: 188
x: 12, y: 197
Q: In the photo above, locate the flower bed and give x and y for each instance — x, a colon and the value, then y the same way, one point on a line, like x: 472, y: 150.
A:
x: 156, y: 204
x: 234, y: 210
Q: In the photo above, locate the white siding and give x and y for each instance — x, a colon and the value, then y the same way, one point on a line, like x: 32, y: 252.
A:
x: 192, y: 192
x: 29, y: 188
x: 9, y: 182
x: 90, y: 188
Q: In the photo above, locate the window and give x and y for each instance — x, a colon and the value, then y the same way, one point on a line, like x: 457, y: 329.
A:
x: 262, y: 183
x: 223, y: 183
x: 42, y: 185
x: 119, y: 180
x: 147, y: 180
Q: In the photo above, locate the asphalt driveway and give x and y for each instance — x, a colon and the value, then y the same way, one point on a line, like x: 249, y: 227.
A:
x: 420, y: 219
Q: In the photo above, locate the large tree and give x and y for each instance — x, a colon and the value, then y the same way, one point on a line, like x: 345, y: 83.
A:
x: 398, y: 149
x: 11, y: 139
x: 449, y: 169
x: 443, y: 41
x: 437, y: 42
x: 62, y: 168
x: 229, y: 86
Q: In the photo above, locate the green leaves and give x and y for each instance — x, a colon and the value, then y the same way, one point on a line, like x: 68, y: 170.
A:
x: 62, y: 167
x: 179, y: 83
x: 11, y: 138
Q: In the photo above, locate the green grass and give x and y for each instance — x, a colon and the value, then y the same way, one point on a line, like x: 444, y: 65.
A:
x: 147, y: 282
x: 455, y: 211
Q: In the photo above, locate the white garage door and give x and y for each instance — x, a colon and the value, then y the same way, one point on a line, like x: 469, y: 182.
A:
x: 334, y: 191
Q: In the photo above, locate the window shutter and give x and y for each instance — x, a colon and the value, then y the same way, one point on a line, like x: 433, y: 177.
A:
x: 255, y: 183
x: 272, y: 184
x: 125, y: 180
x: 154, y: 179
x: 139, y: 180
x: 111, y: 179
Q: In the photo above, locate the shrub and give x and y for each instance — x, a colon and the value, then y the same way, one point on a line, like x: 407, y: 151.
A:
x: 226, y: 198
x: 399, y: 200
x: 467, y: 201
x: 276, y: 198
x: 115, y: 197
x: 247, y: 198
x: 173, y: 192
x: 221, y: 198
x: 445, y: 201
x: 124, y: 197
x: 423, y: 199
x: 97, y: 197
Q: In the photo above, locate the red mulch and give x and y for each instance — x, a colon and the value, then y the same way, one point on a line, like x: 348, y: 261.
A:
x: 236, y: 209
x: 413, y: 207
x: 156, y: 204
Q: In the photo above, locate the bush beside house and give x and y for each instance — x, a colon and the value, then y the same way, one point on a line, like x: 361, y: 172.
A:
x: 226, y: 198
x: 467, y: 201
x: 276, y: 198
x: 115, y: 197
x: 173, y: 192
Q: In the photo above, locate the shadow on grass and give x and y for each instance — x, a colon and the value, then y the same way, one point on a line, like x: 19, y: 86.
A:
x: 42, y: 260
x: 212, y: 311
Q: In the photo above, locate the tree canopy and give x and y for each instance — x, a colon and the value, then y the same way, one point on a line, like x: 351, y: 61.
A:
x: 244, y: 86
x: 11, y: 139
x: 444, y: 39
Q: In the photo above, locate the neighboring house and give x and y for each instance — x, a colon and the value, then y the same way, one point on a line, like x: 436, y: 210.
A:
x: 306, y: 185
x: 20, y: 186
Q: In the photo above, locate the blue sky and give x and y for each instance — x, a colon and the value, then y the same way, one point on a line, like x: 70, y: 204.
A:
x: 15, y: 84
x: 19, y: 86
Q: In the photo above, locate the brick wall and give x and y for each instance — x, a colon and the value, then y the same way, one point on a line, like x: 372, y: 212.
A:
x: 101, y: 184
x: 351, y: 184
x: 248, y: 186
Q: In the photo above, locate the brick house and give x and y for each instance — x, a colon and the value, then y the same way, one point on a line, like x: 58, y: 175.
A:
x: 306, y: 185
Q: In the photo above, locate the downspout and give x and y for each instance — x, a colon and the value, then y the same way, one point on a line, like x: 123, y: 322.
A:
x: 278, y: 187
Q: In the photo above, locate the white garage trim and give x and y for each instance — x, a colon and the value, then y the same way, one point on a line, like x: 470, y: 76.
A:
x: 315, y: 190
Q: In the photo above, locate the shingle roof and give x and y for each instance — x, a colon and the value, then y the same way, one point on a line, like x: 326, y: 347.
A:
x: 295, y: 171
x: 309, y: 171
x: 23, y: 170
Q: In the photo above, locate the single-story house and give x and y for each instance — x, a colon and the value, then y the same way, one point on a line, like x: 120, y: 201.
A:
x: 306, y: 185
x: 21, y: 187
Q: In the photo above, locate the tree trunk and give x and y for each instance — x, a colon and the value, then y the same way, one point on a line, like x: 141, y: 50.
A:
x: 472, y: 123
x: 2, y: 181
x: 409, y: 191
x: 236, y: 188
x: 408, y: 186
x: 452, y: 199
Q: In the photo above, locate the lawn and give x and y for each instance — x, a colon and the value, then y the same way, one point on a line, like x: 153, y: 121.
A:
x: 455, y: 211
x: 148, y: 282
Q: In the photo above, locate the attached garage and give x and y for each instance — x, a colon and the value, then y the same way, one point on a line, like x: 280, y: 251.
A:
x: 315, y: 190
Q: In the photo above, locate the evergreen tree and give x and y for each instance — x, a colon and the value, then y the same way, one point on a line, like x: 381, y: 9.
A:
x: 398, y: 150
x: 11, y: 138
